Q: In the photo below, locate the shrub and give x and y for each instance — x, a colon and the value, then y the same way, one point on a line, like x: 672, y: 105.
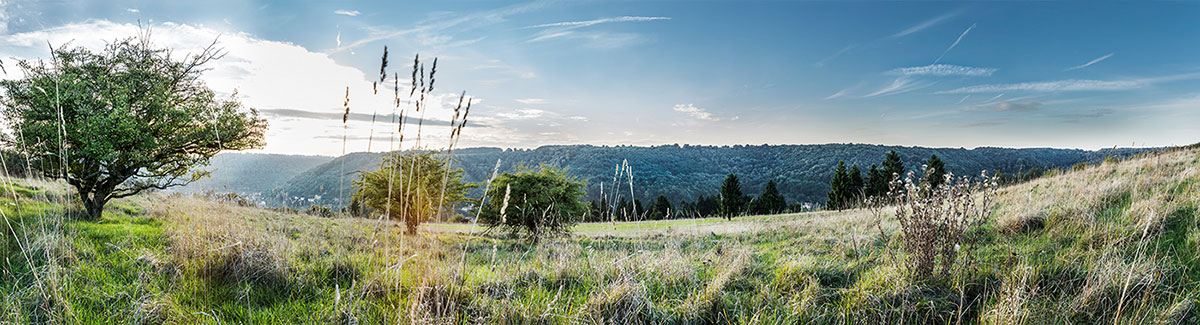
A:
x: 413, y: 186
x: 319, y: 211
x: 539, y: 202
x: 934, y: 220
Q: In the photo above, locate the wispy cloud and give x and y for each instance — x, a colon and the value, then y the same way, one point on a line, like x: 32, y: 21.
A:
x: 360, y: 117
x: 834, y: 56
x: 899, y: 86
x: 531, y: 101
x: 350, y: 13
x: 1094, y: 61
x: 956, y: 41
x: 943, y: 70
x: 1076, y: 117
x: 1049, y: 86
x: 1021, y: 106
x: 132, y: 10
x: 839, y: 94
x: 594, y: 39
x: 699, y: 113
x: 926, y: 24
x: 960, y: 101
x: 585, y: 23
x: 441, y: 25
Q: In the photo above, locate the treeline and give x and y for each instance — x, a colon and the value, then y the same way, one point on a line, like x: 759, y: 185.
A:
x: 681, y: 173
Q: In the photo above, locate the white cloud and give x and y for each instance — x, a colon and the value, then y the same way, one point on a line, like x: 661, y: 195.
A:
x: 839, y: 94
x: 132, y: 10
x: 602, y: 40
x: 943, y: 70
x: 350, y: 13
x: 956, y: 41
x: 1094, y: 61
x: 700, y: 113
x: 531, y: 101
x: 585, y: 23
x: 1048, y: 86
x: 926, y: 24
x: 267, y: 75
x: 899, y: 86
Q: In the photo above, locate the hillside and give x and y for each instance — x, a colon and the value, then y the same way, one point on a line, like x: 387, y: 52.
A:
x: 802, y: 172
x: 1110, y: 243
x: 252, y: 175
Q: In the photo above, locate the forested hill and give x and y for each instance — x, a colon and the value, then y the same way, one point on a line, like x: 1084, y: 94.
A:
x: 802, y: 172
x: 250, y: 174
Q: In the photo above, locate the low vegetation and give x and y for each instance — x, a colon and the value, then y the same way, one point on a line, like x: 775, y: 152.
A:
x: 1108, y: 243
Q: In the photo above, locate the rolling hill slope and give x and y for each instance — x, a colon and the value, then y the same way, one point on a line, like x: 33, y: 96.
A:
x: 802, y: 172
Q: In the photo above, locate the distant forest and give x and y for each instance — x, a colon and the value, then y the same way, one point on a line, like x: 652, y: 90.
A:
x: 679, y: 172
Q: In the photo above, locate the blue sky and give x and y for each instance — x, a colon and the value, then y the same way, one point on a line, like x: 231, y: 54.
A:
x: 1077, y: 75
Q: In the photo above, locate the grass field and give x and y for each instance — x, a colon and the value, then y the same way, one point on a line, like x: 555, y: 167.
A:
x: 1112, y: 243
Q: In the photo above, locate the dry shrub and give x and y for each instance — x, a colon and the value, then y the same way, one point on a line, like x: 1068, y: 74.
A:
x: 247, y: 263
x: 934, y: 220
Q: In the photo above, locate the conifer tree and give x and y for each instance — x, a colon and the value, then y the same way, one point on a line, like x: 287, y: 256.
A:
x: 892, y: 166
x: 854, y: 188
x: 770, y: 201
x: 877, y: 183
x: 731, y: 197
x: 837, y: 188
x: 939, y: 171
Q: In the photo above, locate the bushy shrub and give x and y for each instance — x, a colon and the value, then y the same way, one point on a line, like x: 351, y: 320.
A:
x: 935, y: 220
x: 537, y: 202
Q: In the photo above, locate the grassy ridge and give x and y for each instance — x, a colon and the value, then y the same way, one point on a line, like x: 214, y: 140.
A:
x: 1115, y: 242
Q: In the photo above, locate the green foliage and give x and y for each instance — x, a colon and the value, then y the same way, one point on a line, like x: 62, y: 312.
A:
x: 732, y: 199
x: 685, y: 172
x: 839, y: 188
x: 937, y: 171
x: 539, y: 202
x: 662, y: 209
x: 893, y: 167
x: 770, y: 201
x: 877, y: 182
x: 413, y: 187
x: 124, y: 120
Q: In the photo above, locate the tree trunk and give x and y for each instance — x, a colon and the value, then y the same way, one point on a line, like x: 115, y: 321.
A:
x: 94, y: 204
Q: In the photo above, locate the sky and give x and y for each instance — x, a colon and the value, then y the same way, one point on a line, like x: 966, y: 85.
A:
x: 1008, y: 74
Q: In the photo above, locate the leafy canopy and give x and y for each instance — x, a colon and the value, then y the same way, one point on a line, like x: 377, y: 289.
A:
x: 540, y: 202
x: 126, y: 119
x: 413, y: 187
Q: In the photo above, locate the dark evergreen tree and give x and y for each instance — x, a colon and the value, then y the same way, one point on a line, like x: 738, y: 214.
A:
x: 838, y: 187
x: 707, y: 205
x: 936, y: 178
x: 892, y: 166
x: 855, y: 188
x: 662, y: 208
x: 877, y: 183
x: 731, y: 197
x: 770, y: 201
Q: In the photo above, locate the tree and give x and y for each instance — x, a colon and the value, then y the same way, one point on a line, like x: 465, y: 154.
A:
x: 538, y: 202
x: 409, y: 187
x: 892, y: 166
x: 854, y: 188
x: 877, y: 183
x: 662, y: 208
x: 731, y: 197
x: 937, y: 176
x: 123, y: 120
x: 838, y: 187
x: 770, y: 201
